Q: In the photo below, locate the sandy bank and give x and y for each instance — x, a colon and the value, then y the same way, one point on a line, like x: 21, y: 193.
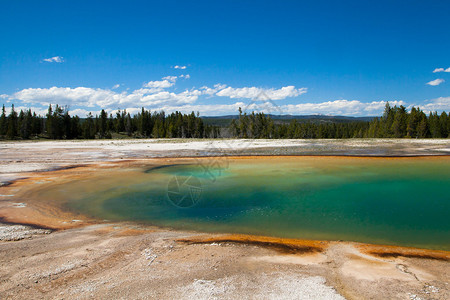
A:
x: 129, y: 261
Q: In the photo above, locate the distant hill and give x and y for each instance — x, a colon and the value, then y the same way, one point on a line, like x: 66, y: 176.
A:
x: 225, y: 120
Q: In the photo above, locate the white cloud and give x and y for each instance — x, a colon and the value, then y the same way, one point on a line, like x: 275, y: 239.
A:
x: 83, y: 112
x: 161, y: 84
x: 207, y: 109
x: 80, y: 96
x: 89, y: 97
x: 179, y: 67
x: 438, y: 104
x: 154, y: 95
x: 56, y: 59
x: 211, y: 91
x: 82, y: 100
x: 260, y: 93
x: 339, y: 107
x: 441, y: 70
x: 157, y: 95
x: 170, y: 78
x: 436, y: 82
x: 165, y: 98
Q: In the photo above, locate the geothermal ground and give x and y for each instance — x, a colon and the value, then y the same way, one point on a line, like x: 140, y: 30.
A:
x: 54, y: 254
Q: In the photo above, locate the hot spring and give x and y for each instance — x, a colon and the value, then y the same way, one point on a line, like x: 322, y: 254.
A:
x: 398, y: 201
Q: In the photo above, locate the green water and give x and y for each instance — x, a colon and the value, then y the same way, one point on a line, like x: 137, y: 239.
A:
x: 389, y: 201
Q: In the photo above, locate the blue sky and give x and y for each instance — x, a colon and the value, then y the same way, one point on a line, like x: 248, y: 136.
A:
x: 309, y: 57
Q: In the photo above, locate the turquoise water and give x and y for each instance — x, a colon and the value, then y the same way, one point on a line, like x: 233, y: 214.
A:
x: 389, y: 201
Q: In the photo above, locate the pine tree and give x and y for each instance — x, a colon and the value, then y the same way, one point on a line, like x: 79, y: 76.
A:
x: 67, y: 126
x: 448, y: 126
x: 234, y: 128
x: 36, y: 126
x: 128, y: 125
x: 49, y: 123
x: 120, y: 125
x: 434, y: 125
x: 3, y: 122
x: 56, y: 124
x: 443, y: 120
x: 413, y: 122
x: 12, y: 124
x: 111, y: 127
x: 199, y: 128
x: 398, y: 127
x: 387, y: 120
x: 75, y: 128
x: 25, y: 124
x: 103, y: 126
x: 89, y: 127
x: 422, y: 128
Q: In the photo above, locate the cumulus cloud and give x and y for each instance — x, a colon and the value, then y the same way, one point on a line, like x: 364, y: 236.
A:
x: 179, y: 67
x: 83, y: 112
x: 165, y: 83
x: 170, y: 78
x: 260, y: 93
x: 158, y: 95
x: 161, y: 84
x: 211, y: 91
x: 436, y: 82
x: 339, y: 107
x: 82, y: 100
x: 437, y: 70
x: 186, y: 102
x: 80, y: 96
x: 438, y: 104
x: 207, y: 109
x: 56, y: 59
x: 152, y: 94
x: 88, y: 97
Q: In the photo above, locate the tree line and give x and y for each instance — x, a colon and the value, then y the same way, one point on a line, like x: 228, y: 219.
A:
x: 396, y: 122
x: 58, y: 124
